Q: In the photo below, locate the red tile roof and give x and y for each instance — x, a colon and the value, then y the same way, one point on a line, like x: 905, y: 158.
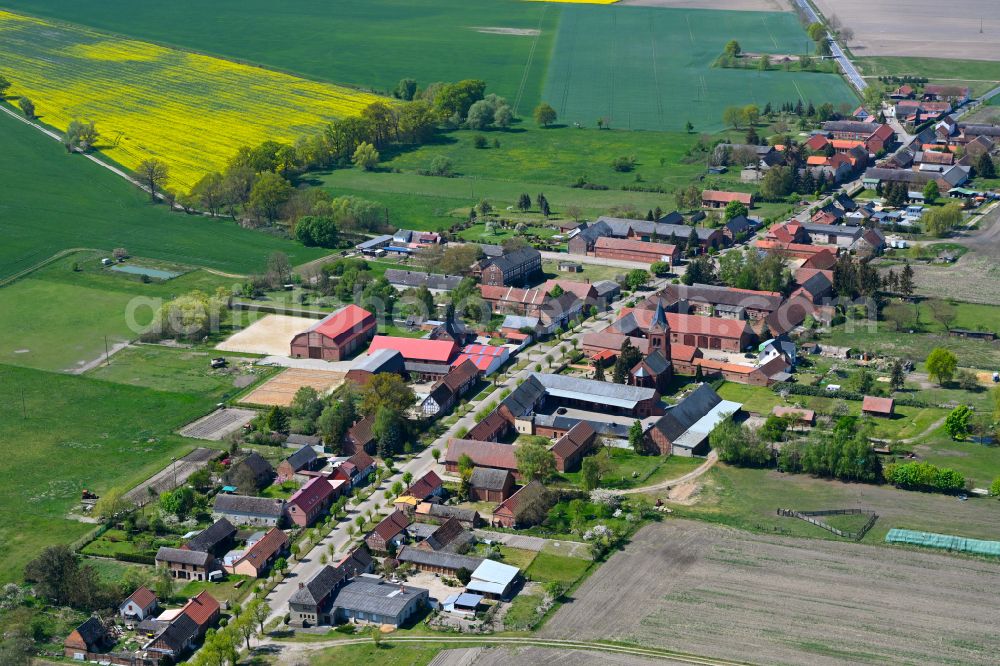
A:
x: 314, y: 492
x: 347, y: 319
x: 825, y: 259
x: 877, y: 405
x: 582, y: 290
x: 683, y: 323
x: 715, y: 364
x: 414, y: 349
x: 143, y: 597
x: 817, y: 160
x: 425, y: 486
x: 391, y: 525
x: 579, y: 436
x: 512, y: 295
x: 484, y: 454
x: 460, y: 373
x: 726, y: 197
x: 480, y: 356
x: 816, y: 141
x: 629, y: 245
x: 201, y: 608
x: 795, y: 412
x: 263, y: 550
x: 846, y: 144
x: 361, y: 460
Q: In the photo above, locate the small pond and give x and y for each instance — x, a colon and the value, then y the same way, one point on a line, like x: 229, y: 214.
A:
x: 143, y: 270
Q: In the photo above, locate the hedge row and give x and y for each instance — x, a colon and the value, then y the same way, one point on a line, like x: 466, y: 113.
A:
x: 802, y: 389
x: 137, y: 558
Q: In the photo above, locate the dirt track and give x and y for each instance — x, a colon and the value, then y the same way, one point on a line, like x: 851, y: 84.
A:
x: 724, y: 593
x: 530, y: 656
x: 734, y: 5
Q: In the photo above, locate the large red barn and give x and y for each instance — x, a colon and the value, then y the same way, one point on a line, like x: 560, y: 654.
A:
x: 336, y: 336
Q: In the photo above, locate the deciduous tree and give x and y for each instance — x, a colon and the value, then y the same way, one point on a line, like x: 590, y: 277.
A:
x: 154, y: 174
x: 544, y: 114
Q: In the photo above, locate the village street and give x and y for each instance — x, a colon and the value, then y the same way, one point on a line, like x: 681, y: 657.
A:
x: 310, y: 563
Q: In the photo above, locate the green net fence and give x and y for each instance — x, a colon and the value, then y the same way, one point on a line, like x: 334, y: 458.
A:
x: 944, y: 542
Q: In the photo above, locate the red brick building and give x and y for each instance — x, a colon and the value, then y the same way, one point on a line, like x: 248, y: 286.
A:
x: 573, y: 446
x: 635, y: 250
x: 490, y: 485
x: 483, y: 454
x: 719, y: 199
x: 337, y: 336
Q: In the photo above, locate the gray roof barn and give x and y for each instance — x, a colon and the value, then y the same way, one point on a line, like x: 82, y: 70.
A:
x: 684, y: 414
x: 209, y: 538
x: 410, y: 279
x: 439, y: 558
x: 180, y: 556
x: 247, y: 505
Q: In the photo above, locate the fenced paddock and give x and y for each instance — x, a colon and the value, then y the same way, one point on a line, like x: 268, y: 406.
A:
x: 270, y: 335
x: 812, y: 518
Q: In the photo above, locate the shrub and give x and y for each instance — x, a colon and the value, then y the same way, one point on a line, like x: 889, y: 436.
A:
x: 924, y: 476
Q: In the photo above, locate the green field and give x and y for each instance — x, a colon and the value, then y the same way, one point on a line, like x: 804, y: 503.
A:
x: 51, y: 201
x: 649, y: 68
x: 62, y: 434
x: 980, y: 75
x: 369, y: 44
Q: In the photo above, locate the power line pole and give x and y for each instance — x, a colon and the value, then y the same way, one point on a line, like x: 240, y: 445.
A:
x: 107, y: 354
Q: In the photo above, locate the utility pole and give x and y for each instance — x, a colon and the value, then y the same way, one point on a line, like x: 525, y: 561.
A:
x: 173, y: 459
x: 107, y: 353
x: 24, y: 406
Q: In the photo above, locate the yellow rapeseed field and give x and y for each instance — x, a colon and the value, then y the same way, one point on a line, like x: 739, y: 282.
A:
x: 189, y: 110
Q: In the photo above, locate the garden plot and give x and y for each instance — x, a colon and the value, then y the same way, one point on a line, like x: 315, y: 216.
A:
x: 270, y: 335
x: 723, y: 593
x: 281, y: 389
x: 218, y: 424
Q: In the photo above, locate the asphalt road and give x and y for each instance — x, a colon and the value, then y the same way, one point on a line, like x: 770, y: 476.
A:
x: 852, y: 74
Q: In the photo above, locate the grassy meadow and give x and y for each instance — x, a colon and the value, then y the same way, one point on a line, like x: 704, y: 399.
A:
x: 980, y: 75
x: 189, y: 110
x: 51, y: 201
x: 62, y: 434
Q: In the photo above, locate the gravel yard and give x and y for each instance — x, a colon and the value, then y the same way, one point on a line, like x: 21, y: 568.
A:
x: 720, y: 592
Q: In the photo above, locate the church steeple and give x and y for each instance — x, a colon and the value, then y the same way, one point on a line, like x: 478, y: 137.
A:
x: 659, y: 332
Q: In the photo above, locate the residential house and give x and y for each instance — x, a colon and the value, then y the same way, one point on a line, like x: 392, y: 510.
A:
x: 140, y: 604
x: 557, y: 312
x: 312, y: 603
x: 957, y: 95
x: 876, y: 137
x: 390, y: 532
x: 570, y: 449
x: 337, y: 336
x: 355, y: 470
x: 428, y: 485
x: 448, y: 390
x: 303, y: 459
x: 185, y: 564
x: 248, y: 510
x: 360, y: 438
x: 490, y: 485
x: 737, y: 228
x: 528, y: 506
x: 513, y: 300
x: 260, y: 554
x: 310, y: 501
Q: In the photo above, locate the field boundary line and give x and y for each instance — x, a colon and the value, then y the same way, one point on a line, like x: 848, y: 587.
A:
x: 10, y: 279
x: 531, y: 57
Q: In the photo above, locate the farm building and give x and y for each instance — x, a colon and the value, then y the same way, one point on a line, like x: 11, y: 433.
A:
x: 528, y: 506
x: 426, y: 512
x: 490, y: 485
x: 422, y: 358
x: 215, y: 539
x: 487, y: 359
x: 247, y: 510
x: 719, y: 199
x: 437, y: 561
x: 377, y: 362
x: 303, y: 459
x: 260, y: 553
x: 512, y: 268
x: 185, y: 564
x: 880, y: 407
x: 426, y: 486
x: 337, y: 336
x: 570, y: 449
x: 359, y: 438
x: 436, y: 283
x: 493, y: 579
x: 635, y: 250
x: 483, y: 454
x: 684, y: 429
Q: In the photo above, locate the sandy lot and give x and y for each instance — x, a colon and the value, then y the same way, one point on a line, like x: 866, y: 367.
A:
x: 736, y: 5
x: 723, y: 593
x: 269, y: 335
x: 920, y: 28
x: 280, y: 390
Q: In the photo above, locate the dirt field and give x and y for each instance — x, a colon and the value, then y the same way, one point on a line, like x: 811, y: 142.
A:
x: 724, y: 593
x: 269, y: 335
x: 171, y: 476
x: 280, y: 389
x: 530, y: 656
x: 907, y: 29
x: 736, y: 5
x: 218, y: 424
x: 975, y: 277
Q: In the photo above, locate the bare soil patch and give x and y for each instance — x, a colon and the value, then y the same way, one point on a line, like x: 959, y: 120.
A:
x: 270, y: 335
x: 531, y: 656
x: 218, y: 424
x: 724, y: 593
x: 975, y: 277
x: 519, y: 32
x: 280, y: 390
x: 734, y: 5
x: 906, y: 29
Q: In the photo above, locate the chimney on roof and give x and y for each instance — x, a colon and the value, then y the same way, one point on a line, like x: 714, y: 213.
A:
x: 301, y: 585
